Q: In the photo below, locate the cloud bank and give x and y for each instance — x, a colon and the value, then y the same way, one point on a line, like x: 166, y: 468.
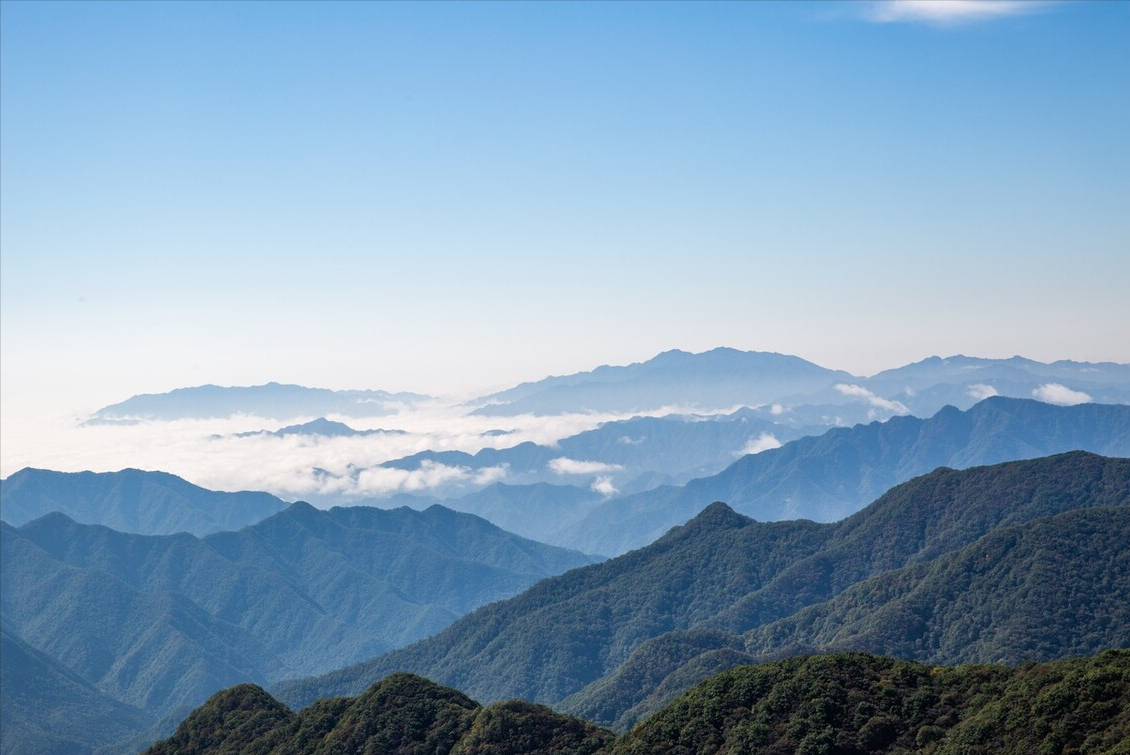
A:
x: 980, y: 391
x: 1054, y: 393
x: 565, y: 465
x: 762, y: 442
x: 878, y: 402
x: 604, y: 486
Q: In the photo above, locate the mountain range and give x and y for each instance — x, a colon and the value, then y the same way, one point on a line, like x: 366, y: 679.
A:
x: 582, y: 639
x: 785, y: 389
x: 715, y: 379
x: 147, y: 503
x: 159, y: 622
x: 625, y: 483
x: 827, y: 477
x: 800, y: 392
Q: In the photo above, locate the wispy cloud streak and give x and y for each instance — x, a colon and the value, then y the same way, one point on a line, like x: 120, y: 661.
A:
x: 946, y: 12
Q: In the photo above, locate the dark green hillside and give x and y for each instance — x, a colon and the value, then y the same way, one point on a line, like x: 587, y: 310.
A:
x: 580, y: 640
x: 568, y: 631
x: 148, y: 503
x: 838, y: 704
x: 1052, y: 588
x: 401, y: 715
x: 934, y: 514
x: 49, y: 710
x: 855, y: 704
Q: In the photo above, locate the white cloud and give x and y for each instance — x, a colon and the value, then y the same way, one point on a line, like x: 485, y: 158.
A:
x: 631, y: 441
x: 878, y: 402
x: 604, y: 486
x: 565, y: 465
x: 386, y: 480
x: 762, y: 442
x: 1054, y: 393
x: 491, y: 475
x: 980, y: 391
x: 776, y: 410
x: 946, y: 12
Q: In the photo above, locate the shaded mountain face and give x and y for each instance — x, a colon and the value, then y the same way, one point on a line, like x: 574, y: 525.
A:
x: 161, y: 621
x: 566, y: 638
x: 401, y: 715
x: 828, y: 477
x: 272, y: 400
x: 147, y: 503
x: 849, y: 703
x: 49, y: 709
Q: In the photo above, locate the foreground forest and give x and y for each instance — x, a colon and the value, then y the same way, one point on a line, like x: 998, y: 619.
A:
x: 842, y: 703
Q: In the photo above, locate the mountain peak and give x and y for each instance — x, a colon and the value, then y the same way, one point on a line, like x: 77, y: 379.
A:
x: 718, y: 515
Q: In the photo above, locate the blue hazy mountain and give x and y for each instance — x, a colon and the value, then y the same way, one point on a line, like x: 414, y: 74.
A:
x: 827, y: 477
x: 158, y: 622
x: 717, y: 379
x: 273, y: 400
x: 539, y: 511
x: 147, y: 503
x: 792, y: 391
x: 723, y: 574
x: 320, y: 427
x: 622, y: 456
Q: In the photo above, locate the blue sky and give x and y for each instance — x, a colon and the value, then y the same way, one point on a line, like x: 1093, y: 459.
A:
x: 458, y: 196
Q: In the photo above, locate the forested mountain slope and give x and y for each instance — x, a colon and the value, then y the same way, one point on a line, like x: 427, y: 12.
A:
x: 161, y: 621
x: 830, y: 476
x: 727, y: 573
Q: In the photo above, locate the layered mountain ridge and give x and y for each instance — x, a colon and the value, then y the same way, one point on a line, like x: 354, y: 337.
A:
x: 729, y: 574
x: 146, y: 503
x: 157, y: 622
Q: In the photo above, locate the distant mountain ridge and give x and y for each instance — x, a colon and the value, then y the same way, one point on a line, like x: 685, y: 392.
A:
x: 271, y: 400
x: 147, y: 503
x: 719, y: 378
x: 805, y: 393
x: 722, y: 574
x: 319, y: 427
x: 827, y: 477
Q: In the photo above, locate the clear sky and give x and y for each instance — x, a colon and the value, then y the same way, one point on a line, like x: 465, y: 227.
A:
x: 449, y: 197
